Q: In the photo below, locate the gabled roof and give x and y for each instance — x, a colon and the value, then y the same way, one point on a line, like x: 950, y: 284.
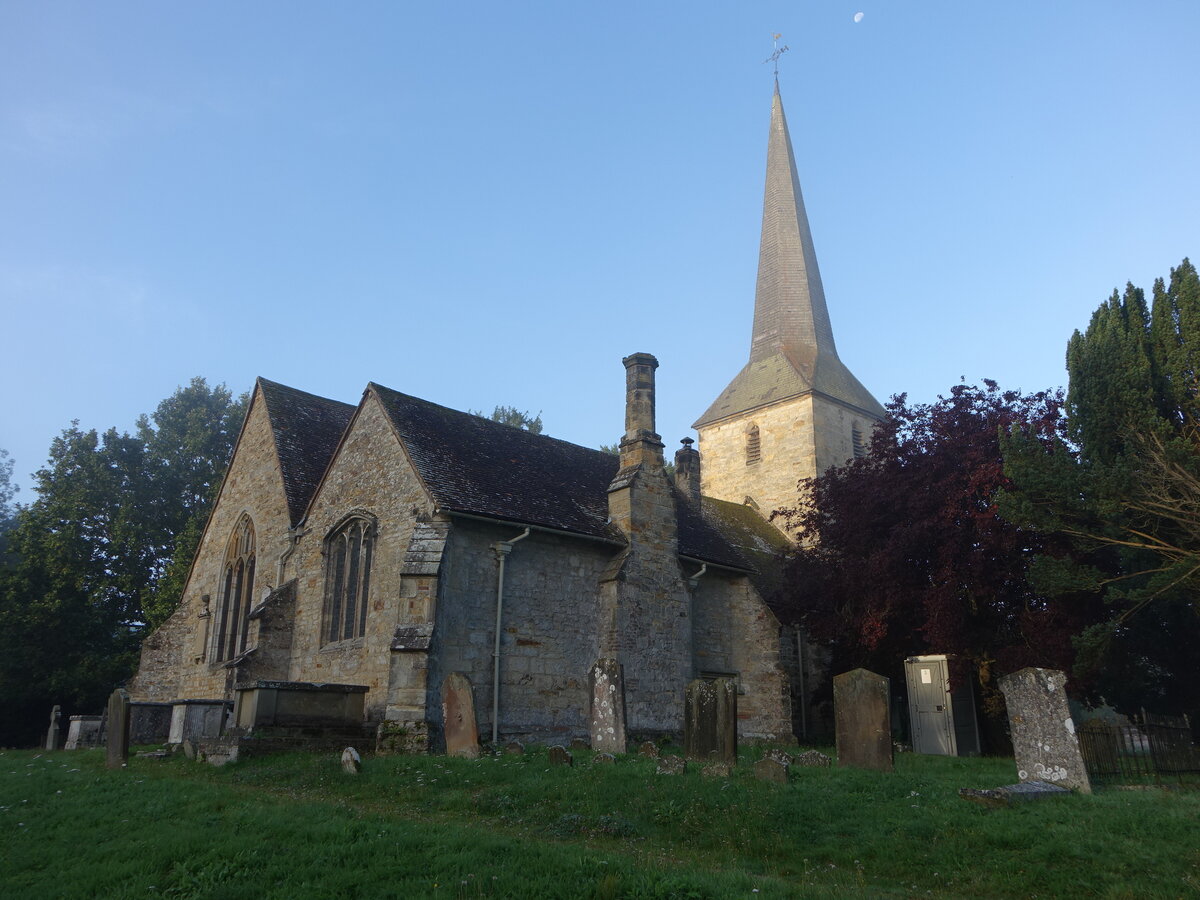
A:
x: 792, y: 351
x: 479, y: 467
x: 307, y: 429
x: 754, y: 537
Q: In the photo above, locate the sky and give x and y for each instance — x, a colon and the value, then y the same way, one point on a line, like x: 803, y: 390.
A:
x: 484, y: 203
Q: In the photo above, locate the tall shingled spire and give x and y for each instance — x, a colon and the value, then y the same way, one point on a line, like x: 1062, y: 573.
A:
x: 792, y: 351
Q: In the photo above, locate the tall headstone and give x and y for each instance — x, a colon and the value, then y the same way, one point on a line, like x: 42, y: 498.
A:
x: 607, y: 719
x: 1043, y: 734
x: 53, y: 733
x: 458, y: 717
x: 863, y: 720
x: 118, y: 728
x: 710, y: 721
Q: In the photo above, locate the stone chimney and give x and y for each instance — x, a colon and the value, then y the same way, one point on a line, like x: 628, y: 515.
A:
x: 641, y: 445
x: 687, y: 471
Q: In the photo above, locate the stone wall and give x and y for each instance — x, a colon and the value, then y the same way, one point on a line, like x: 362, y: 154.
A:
x: 548, y: 632
x: 798, y: 438
x: 176, y: 660
x: 371, y: 477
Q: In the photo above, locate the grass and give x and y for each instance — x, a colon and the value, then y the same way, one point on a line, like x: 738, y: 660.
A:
x: 295, y: 826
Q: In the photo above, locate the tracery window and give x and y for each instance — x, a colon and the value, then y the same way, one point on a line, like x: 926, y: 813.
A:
x: 237, y: 589
x: 753, y: 445
x: 348, y: 578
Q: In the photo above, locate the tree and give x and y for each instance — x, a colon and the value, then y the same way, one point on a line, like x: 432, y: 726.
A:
x: 93, y: 555
x: 514, y: 418
x: 1122, y: 489
x: 7, y: 512
x: 904, y: 552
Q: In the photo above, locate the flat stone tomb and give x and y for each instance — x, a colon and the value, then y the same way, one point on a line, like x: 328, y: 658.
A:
x: 197, y: 719
x: 710, y: 721
x: 83, y: 731
x: 1043, y: 734
x: 862, y: 714
x: 458, y: 717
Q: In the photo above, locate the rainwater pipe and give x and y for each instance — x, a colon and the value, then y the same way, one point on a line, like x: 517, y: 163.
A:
x: 502, y: 548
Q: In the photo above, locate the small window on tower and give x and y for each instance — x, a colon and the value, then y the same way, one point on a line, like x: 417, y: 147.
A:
x: 860, y: 442
x: 753, y: 445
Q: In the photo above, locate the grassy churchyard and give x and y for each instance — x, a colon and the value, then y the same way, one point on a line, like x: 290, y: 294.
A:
x: 296, y: 826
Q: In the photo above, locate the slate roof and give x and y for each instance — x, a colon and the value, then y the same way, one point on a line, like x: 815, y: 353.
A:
x: 756, y: 539
x: 476, y: 466
x: 307, y: 430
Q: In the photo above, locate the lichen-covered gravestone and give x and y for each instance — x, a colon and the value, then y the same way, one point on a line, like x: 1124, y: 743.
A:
x: 351, y: 761
x: 1043, y: 734
x: 458, y: 717
x: 671, y: 765
x: 53, y: 733
x: 561, y: 756
x: 772, y: 768
x: 862, y: 713
x: 710, y: 721
x: 648, y: 749
x: 118, y: 729
x: 607, y: 720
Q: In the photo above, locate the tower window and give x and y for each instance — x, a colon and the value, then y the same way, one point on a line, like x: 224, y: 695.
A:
x: 348, y: 579
x: 237, y: 589
x: 860, y: 442
x: 753, y: 445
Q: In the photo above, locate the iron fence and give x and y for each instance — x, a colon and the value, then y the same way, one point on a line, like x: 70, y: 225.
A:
x: 1151, y: 750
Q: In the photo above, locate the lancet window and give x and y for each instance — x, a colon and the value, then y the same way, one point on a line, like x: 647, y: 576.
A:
x: 753, y: 445
x: 348, y: 554
x: 237, y: 589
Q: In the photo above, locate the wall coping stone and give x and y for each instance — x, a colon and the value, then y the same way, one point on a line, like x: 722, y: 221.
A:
x: 301, y: 686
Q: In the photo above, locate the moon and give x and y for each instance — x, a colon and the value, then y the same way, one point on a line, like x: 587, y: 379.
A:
x: 858, y: 17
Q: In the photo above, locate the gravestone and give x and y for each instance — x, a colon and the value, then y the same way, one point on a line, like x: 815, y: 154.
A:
x: 648, y: 749
x: 1043, y: 734
x: 1001, y: 797
x: 710, y: 721
x: 579, y: 744
x: 118, y: 729
x: 671, y: 765
x: 862, y: 714
x: 458, y: 717
x: 812, y: 758
x: 607, y: 719
x: 780, y: 756
x: 772, y: 768
x: 561, y: 756
x: 351, y: 761
x: 603, y: 759
x: 717, y: 770
x: 514, y: 748
x: 53, y: 732
x: 84, y: 731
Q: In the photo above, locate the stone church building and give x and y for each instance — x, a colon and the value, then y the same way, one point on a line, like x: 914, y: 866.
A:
x: 389, y: 544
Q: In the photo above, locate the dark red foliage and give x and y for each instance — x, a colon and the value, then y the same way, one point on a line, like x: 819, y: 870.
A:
x: 904, y: 551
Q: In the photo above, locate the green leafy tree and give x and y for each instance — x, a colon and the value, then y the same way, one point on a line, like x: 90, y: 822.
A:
x: 95, y: 558
x: 514, y: 418
x: 8, y: 512
x: 1122, y: 487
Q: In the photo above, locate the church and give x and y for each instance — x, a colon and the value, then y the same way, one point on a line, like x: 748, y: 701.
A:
x: 385, y: 545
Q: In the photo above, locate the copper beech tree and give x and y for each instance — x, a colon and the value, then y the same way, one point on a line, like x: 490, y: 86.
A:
x: 904, y: 552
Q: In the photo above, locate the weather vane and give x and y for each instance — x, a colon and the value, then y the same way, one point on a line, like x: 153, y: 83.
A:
x: 779, y: 51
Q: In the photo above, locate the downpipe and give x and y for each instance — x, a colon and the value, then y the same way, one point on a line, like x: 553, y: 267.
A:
x: 502, y: 548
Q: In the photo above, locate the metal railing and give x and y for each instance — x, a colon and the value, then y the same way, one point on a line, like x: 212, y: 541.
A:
x: 1152, y: 750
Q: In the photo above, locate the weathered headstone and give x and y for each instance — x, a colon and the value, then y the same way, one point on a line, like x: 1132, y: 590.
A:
x: 458, y: 717
x: 561, y: 756
x: 1043, y: 734
x: 118, y: 729
x: 813, y: 758
x: 514, y: 748
x: 604, y: 759
x: 780, y: 756
x: 671, y: 765
x: 717, y: 770
x: 351, y: 761
x: 83, y: 731
x: 862, y: 714
x: 771, y: 768
x: 607, y: 719
x: 710, y: 721
x: 54, y: 731
x: 1000, y: 797
x: 648, y: 749
x: 578, y: 744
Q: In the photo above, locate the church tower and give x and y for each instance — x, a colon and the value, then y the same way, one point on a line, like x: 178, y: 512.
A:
x: 795, y: 409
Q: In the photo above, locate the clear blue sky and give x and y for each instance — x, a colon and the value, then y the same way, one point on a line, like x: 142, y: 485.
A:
x: 488, y: 203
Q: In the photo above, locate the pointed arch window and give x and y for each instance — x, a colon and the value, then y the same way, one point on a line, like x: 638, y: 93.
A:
x: 348, y: 555
x: 236, y: 591
x: 753, y: 445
